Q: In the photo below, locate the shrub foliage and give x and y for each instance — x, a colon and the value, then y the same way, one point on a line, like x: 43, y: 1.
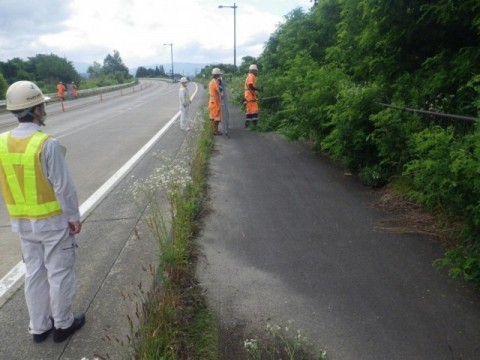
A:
x: 328, y: 73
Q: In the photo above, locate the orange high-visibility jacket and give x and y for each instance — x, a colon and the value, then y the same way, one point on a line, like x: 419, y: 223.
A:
x: 250, y: 95
x: 214, y: 103
x: 61, y: 90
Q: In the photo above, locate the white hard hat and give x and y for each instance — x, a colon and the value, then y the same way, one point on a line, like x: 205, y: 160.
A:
x: 183, y: 80
x: 24, y: 95
x: 253, y: 67
x: 216, y: 71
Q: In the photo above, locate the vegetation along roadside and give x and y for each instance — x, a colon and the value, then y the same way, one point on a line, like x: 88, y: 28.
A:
x: 176, y: 322
x: 331, y: 86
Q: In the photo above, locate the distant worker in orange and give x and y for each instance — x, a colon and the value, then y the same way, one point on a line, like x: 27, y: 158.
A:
x: 74, y: 90
x: 250, y: 96
x: 61, y: 91
x: 215, y: 102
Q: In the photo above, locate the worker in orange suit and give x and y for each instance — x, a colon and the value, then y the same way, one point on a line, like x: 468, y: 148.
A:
x: 250, y: 96
x: 61, y: 91
x: 74, y: 90
x: 215, y: 101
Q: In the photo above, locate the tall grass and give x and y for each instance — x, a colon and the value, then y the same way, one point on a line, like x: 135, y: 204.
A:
x: 177, y: 324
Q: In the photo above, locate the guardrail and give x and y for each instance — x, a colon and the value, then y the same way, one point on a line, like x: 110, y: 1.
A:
x: 432, y: 113
x: 85, y: 92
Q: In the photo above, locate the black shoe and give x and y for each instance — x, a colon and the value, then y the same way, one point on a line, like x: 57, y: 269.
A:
x: 38, y: 338
x: 247, y: 123
x: 60, y: 335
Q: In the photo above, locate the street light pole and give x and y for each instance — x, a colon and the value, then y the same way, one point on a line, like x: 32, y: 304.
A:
x: 234, y: 7
x: 171, y: 56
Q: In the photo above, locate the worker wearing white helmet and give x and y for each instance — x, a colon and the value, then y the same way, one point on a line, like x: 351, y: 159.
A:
x: 185, y: 102
x: 43, y: 208
x: 215, y: 101
x: 250, y: 96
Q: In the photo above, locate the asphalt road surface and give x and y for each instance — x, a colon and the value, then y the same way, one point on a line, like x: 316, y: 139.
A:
x: 116, y: 250
x: 291, y: 241
x: 101, y: 133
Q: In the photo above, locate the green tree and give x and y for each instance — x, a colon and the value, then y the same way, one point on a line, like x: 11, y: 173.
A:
x: 289, y: 38
x: 113, y: 64
x: 15, y: 70
x: 3, y: 86
x: 246, y: 62
x: 141, y: 72
x: 51, y: 68
x: 95, y: 70
x: 159, y: 71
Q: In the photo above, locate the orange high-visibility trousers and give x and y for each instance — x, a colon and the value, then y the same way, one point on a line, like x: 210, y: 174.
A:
x: 214, y: 103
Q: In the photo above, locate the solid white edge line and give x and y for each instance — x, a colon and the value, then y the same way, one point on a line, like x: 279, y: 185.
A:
x: 13, y: 280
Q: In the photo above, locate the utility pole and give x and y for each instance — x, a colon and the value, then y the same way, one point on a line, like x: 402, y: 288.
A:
x: 171, y: 56
x: 234, y: 7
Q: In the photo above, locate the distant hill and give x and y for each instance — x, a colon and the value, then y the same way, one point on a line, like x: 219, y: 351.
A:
x: 184, y: 69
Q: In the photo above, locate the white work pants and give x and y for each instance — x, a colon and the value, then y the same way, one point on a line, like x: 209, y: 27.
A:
x: 49, y: 258
x: 184, y: 117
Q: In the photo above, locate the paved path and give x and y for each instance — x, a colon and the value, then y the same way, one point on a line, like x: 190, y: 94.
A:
x: 290, y: 238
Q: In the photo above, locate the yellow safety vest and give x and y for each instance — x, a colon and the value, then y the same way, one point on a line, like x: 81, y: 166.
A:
x: 26, y: 190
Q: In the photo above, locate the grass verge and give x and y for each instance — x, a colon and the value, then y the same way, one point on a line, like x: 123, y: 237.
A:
x: 177, y: 323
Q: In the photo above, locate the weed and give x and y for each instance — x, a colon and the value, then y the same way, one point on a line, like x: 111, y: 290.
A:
x: 176, y: 322
x: 282, y: 343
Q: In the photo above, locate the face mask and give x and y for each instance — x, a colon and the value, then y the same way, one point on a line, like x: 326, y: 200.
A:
x: 43, y: 115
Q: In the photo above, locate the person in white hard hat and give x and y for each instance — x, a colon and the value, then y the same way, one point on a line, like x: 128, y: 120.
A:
x: 185, y: 102
x: 250, y: 96
x: 42, y: 204
x: 215, y: 101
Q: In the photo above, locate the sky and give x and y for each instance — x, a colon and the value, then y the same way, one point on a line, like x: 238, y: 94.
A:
x: 85, y: 31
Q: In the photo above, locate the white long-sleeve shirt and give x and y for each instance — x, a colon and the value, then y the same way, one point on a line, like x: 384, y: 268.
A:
x: 184, y: 97
x: 55, y: 168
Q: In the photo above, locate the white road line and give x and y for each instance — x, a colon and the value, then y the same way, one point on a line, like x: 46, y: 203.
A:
x: 14, y: 279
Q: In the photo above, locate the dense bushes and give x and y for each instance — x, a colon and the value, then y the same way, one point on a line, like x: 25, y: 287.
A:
x: 328, y: 86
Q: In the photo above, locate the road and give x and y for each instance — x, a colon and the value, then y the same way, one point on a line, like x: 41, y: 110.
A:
x: 97, y: 132
x: 291, y: 241
x: 115, y: 247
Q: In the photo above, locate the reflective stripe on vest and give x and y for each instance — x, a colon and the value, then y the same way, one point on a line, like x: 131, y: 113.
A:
x: 26, y: 190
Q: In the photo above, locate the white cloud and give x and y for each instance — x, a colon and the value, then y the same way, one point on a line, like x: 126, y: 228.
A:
x: 88, y: 30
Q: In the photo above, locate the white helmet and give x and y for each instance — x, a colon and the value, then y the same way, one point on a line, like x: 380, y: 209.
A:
x: 253, y: 67
x: 184, y: 80
x: 216, y: 71
x: 24, y: 95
